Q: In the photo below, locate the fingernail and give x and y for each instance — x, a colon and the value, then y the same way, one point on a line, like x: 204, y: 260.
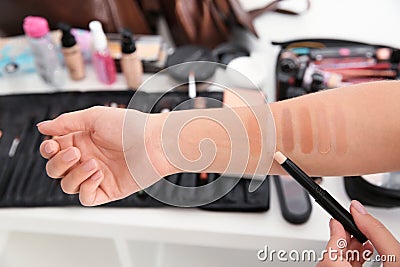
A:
x: 330, y: 223
x: 89, y: 166
x: 42, y: 123
x: 49, y: 148
x: 97, y: 176
x: 70, y: 155
x: 358, y: 207
x: 334, y: 225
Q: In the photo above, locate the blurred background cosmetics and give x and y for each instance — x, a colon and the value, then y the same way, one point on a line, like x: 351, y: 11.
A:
x: 288, y: 62
x: 131, y: 64
x: 151, y: 49
x: 15, y: 56
x: 148, y: 47
x: 84, y: 40
x: 366, y: 51
x: 72, y: 53
x: 102, y: 61
x: 384, y: 54
x: 345, y: 63
x: 315, y: 79
x: 46, y: 58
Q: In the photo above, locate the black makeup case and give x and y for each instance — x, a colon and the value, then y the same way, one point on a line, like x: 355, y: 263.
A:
x: 371, y: 194
x: 23, y: 179
x: 311, y: 65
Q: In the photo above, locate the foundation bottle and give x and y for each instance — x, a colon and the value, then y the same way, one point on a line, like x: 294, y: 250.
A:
x: 72, y: 54
x: 131, y: 64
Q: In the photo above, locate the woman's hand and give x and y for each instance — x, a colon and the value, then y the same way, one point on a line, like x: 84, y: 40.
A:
x: 87, y: 153
x: 380, y: 237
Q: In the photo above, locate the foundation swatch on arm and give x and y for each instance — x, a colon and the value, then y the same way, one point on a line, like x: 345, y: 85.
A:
x: 306, y: 132
x: 287, y: 130
x: 324, y: 138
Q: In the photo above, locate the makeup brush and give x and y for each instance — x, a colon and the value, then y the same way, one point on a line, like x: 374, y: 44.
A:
x: 14, y: 155
x: 322, y: 197
x: 192, y: 85
x: 199, y: 102
x: 14, y: 146
x: 29, y: 158
x: 27, y: 146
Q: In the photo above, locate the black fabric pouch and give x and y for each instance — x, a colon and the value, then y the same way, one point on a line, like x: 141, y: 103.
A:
x: 23, y: 178
x: 239, y: 198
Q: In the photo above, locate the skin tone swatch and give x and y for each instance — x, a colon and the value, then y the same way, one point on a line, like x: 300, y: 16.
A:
x: 306, y: 136
x: 324, y: 132
x: 287, y: 130
x: 313, y: 129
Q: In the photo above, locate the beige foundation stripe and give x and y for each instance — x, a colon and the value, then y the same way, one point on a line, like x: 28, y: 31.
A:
x: 324, y: 138
x: 287, y: 130
x: 306, y: 131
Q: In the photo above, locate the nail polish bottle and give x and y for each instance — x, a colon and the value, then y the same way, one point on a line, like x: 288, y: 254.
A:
x: 102, y: 61
x: 131, y: 64
x: 72, y: 53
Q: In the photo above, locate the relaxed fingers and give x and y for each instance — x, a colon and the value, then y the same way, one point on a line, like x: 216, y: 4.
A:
x: 60, y: 163
x: 70, y: 184
x: 90, y: 193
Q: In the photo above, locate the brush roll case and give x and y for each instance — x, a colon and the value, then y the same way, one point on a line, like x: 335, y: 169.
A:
x: 23, y: 178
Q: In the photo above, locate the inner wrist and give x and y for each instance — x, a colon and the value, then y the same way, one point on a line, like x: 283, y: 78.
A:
x: 154, y: 146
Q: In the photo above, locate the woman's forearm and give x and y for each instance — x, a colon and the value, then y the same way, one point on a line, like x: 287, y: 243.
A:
x: 213, y: 140
x: 348, y: 131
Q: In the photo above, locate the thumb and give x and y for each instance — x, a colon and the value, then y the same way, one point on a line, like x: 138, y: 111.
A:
x: 384, y: 242
x: 67, y: 123
x: 338, y: 235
